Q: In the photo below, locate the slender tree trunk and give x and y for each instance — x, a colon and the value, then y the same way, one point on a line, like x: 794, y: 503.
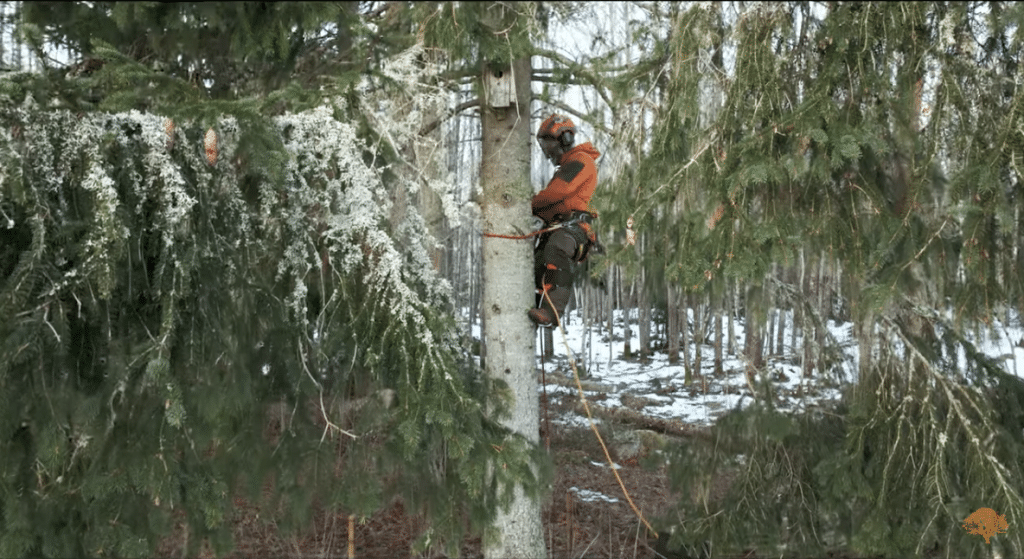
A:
x: 807, y: 326
x: 644, y: 319
x: 508, y: 293
x: 698, y: 333
x: 730, y: 310
x: 610, y: 286
x: 582, y: 296
x: 797, y: 316
x: 752, y: 347
x: 780, y: 331
x: 821, y: 328
x: 672, y: 323
x: 718, y: 334
x: 684, y: 327
x: 627, y: 309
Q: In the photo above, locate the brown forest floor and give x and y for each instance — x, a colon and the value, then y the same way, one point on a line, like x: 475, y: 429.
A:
x: 574, y: 528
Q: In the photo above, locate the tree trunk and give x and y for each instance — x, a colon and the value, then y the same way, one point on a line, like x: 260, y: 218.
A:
x: 627, y: 308
x: 672, y: 323
x: 610, y: 297
x: 752, y: 346
x: 698, y: 332
x: 717, y: 317
x: 797, y: 317
x: 807, y: 324
x: 643, y: 319
x: 508, y: 292
x: 730, y: 310
x: 684, y: 327
x: 822, y: 325
x: 780, y: 331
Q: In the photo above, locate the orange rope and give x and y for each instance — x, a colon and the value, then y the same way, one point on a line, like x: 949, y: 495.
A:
x: 590, y: 418
x: 526, y: 236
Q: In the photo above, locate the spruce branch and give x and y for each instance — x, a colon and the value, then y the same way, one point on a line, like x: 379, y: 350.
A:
x: 594, y: 79
x: 582, y: 117
x: 432, y: 125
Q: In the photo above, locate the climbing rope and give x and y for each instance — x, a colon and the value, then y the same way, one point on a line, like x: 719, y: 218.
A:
x: 590, y: 418
x: 579, y: 385
x: 526, y: 236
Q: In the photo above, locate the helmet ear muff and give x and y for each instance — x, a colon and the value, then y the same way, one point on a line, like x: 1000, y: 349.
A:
x: 567, y: 138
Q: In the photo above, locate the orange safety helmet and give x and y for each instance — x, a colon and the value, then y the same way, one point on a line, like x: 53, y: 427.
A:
x: 556, y: 135
x: 559, y: 127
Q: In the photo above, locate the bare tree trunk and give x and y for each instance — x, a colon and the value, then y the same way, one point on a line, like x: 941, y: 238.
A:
x: 752, y: 347
x: 781, y: 329
x: 730, y: 309
x: 717, y: 317
x: 864, y: 334
x: 672, y: 323
x: 644, y: 319
x: 698, y: 332
x: 822, y: 324
x: 807, y: 322
x: 797, y: 315
x: 508, y: 292
x: 627, y: 309
x: 583, y: 297
x: 611, y: 285
x: 684, y: 326
x: 773, y: 314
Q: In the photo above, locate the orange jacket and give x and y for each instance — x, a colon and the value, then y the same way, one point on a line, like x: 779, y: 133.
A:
x: 572, y: 186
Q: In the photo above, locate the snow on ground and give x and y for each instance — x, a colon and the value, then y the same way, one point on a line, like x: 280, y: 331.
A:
x: 658, y: 389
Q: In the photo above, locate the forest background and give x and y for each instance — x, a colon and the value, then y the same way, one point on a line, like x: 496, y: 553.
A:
x: 215, y: 214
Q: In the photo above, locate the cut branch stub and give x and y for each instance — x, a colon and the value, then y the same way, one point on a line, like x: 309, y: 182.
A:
x: 210, y: 143
x: 169, y: 130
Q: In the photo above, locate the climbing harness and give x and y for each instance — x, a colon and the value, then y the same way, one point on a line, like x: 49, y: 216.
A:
x: 579, y: 224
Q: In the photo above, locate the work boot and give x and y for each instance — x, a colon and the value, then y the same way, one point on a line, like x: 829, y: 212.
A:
x: 542, y: 316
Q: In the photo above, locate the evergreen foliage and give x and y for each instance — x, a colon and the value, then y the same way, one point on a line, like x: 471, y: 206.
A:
x: 158, y: 308
x: 877, y: 135
x: 183, y: 322
x: 152, y: 304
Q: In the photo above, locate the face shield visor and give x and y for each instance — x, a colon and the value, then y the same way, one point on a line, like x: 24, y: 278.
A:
x: 551, y: 148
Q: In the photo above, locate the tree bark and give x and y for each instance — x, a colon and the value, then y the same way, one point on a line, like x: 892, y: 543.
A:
x: 684, y: 327
x: 508, y: 292
x: 730, y: 310
x: 781, y: 309
x: 644, y: 319
x: 717, y: 317
x: 627, y: 308
x: 698, y: 332
x: 672, y: 323
x: 610, y: 307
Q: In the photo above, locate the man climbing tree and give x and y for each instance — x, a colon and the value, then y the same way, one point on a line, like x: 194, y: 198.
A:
x: 564, y: 206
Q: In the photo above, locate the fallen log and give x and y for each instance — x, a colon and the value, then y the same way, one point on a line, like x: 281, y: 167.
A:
x: 673, y: 427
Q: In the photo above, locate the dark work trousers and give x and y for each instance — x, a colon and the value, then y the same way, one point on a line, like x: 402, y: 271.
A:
x: 553, y: 262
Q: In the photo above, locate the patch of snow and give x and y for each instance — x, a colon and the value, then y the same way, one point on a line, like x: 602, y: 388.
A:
x: 661, y: 387
x: 588, y: 496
